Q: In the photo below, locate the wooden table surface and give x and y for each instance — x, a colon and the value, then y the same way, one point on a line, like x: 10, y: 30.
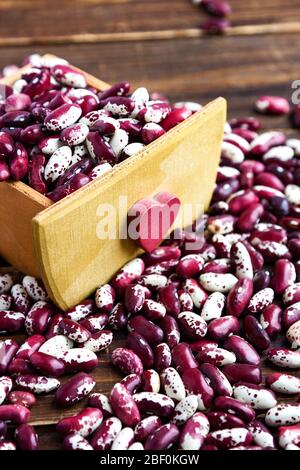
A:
x: 157, y: 43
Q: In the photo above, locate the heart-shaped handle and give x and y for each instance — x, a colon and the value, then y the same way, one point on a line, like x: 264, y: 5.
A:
x: 150, y: 219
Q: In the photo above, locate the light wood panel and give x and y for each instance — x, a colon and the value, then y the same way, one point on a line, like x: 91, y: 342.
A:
x: 238, y: 68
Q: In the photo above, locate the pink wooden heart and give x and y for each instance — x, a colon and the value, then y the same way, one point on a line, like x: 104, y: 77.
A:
x: 150, y: 219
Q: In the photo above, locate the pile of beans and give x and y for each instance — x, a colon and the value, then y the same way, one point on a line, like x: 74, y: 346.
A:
x: 199, y: 321
x: 57, y: 133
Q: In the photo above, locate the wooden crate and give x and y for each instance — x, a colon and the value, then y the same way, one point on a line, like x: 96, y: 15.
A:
x: 59, y: 242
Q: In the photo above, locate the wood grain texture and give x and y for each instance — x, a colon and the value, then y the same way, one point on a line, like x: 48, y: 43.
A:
x: 44, y: 19
x: 240, y: 69
x: 75, y: 257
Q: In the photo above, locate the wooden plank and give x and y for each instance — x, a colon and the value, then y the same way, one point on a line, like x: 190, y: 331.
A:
x: 44, y: 19
x: 45, y: 413
x: 68, y: 252
x: 267, y: 12
x: 74, y: 257
x: 187, y: 33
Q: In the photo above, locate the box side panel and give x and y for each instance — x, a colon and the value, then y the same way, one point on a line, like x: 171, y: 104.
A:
x: 17, y: 209
x: 74, y: 256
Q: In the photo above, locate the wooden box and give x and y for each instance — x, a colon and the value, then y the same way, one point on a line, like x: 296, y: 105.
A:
x: 59, y: 242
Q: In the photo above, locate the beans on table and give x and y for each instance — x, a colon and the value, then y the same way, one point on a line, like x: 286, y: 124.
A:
x: 198, y: 317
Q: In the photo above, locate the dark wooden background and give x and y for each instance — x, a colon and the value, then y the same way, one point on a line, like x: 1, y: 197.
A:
x: 157, y: 43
